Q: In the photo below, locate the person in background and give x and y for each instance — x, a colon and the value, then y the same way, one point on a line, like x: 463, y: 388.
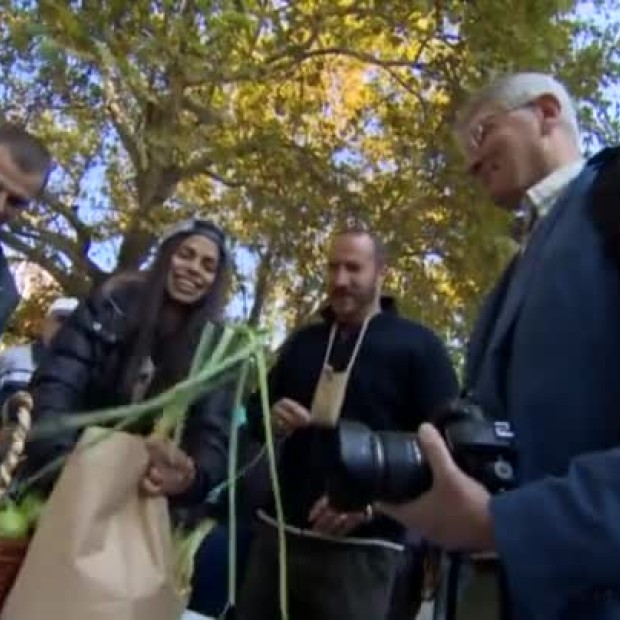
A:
x: 25, y: 165
x: 17, y: 364
x: 362, y: 362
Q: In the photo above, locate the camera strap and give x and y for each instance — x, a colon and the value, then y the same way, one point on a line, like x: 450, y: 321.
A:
x: 446, y: 607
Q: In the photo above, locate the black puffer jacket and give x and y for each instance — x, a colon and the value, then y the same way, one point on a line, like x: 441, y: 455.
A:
x: 82, y: 372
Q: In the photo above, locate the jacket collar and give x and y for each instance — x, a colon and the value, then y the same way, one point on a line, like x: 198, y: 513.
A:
x: 387, y: 302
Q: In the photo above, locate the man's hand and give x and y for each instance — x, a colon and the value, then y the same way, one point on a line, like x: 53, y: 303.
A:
x: 287, y: 416
x: 170, y: 470
x: 326, y: 520
x: 454, y: 513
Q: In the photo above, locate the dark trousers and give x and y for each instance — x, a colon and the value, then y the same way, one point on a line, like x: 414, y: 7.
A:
x: 326, y: 580
x: 210, y: 579
x: 484, y: 593
x: 406, y: 599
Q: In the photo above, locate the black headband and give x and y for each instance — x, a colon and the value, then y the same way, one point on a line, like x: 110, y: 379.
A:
x: 196, y: 226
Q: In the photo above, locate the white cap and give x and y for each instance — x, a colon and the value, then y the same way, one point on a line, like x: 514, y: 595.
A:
x: 63, y: 305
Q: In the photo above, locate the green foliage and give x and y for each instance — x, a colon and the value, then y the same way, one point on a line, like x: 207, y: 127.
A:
x: 280, y: 120
x: 26, y: 323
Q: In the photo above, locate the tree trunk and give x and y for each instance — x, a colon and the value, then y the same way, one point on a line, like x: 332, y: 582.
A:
x: 262, y: 288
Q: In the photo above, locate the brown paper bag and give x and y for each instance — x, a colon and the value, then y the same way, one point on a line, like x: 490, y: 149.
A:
x: 101, y: 550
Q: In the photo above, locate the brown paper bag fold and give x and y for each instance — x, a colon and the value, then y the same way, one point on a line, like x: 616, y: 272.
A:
x: 101, y: 551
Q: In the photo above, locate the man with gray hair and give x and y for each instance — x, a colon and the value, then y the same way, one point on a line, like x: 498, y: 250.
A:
x: 545, y: 354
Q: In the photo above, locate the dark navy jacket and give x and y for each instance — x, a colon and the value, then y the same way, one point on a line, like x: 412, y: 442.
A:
x: 9, y: 296
x: 546, y: 355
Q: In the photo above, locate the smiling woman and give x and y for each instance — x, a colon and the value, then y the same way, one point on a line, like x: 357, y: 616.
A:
x: 193, y: 268
x: 134, y: 338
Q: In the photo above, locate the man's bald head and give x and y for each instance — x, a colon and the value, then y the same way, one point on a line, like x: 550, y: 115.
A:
x: 356, y: 270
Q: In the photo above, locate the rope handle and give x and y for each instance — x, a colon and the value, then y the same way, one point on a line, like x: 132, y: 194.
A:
x: 22, y: 401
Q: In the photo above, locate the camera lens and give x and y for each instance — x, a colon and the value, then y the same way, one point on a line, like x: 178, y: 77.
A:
x: 367, y: 466
x: 406, y: 474
x: 357, y: 467
x: 371, y: 466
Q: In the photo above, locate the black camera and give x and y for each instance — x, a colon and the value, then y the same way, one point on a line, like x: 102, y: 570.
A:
x: 372, y: 466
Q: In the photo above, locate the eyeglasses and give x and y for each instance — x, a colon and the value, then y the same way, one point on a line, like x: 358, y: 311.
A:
x: 478, y: 133
x: 12, y: 199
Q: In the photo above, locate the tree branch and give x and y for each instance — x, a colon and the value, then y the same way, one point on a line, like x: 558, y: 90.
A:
x: 135, y: 245
x: 362, y: 56
x: 118, y: 116
x: 201, y: 166
x: 205, y: 115
x: 82, y: 230
x: 299, y: 48
x: 262, y: 287
x: 47, y: 238
x: 71, y: 283
x: 306, y: 304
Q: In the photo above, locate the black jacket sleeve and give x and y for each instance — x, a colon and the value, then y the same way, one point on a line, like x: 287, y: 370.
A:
x: 60, y: 385
x: 206, y: 440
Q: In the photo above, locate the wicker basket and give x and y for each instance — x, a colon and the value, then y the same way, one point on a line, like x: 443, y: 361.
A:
x: 12, y: 554
x: 13, y: 551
